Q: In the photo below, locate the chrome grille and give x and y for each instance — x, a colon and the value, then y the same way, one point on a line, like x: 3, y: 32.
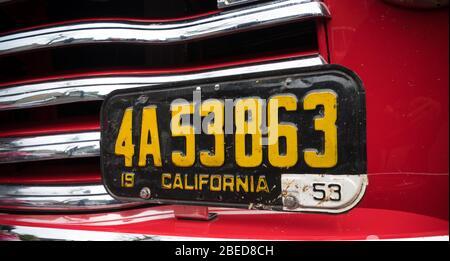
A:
x: 227, y: 22
x: 33, y: 94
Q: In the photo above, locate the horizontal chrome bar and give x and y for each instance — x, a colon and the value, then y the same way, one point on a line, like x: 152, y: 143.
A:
x: 58, y: 146
x: 226, y: 22
x: 96, y: 88
x: 86, y: 144
x: 54, y: 198
x: 22, y: 233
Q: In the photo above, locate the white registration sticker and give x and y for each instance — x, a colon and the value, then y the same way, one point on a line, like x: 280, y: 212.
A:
x: 322, y: 192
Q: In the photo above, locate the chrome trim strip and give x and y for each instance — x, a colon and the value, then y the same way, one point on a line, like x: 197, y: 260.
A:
x: 25, y: 233
x: 96, y: 88
x: 226, y: 22
x: 50, y: 191
x: 58, y: 146
x: 58, y: 197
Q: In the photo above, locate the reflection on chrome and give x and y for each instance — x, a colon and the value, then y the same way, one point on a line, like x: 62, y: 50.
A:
x: 132, y: 216
x: 96, y: 88
x: 61, y: 197
x: 24, y: 233
x: 247, y: 18
x: 58, y: 146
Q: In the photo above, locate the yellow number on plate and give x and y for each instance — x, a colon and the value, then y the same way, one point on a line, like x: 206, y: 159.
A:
x: 217, y: 158
x: 149, y: 126
x: 327, y: 124
x: 276, y: 130
x: 244, y: 127
x: 124, y: 143
x: 127, y: 180
x: 179, y: 158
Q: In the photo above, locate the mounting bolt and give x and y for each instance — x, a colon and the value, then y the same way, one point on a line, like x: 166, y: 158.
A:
x: 290, y: 202
x: 288, y: 81
x: 145, y: 193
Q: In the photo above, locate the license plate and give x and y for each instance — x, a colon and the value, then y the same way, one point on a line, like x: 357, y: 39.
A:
x: 290, y: 140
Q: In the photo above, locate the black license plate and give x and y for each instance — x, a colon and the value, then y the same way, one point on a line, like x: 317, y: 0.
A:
x: 228, y: 141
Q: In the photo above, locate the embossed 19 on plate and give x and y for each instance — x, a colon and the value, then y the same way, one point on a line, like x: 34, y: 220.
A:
x: 290, y: 140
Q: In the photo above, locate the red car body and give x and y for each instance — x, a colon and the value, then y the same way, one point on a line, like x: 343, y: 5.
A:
x: 401, y: 55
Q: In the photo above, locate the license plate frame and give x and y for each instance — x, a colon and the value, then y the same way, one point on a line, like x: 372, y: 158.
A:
x: 351, y: 138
